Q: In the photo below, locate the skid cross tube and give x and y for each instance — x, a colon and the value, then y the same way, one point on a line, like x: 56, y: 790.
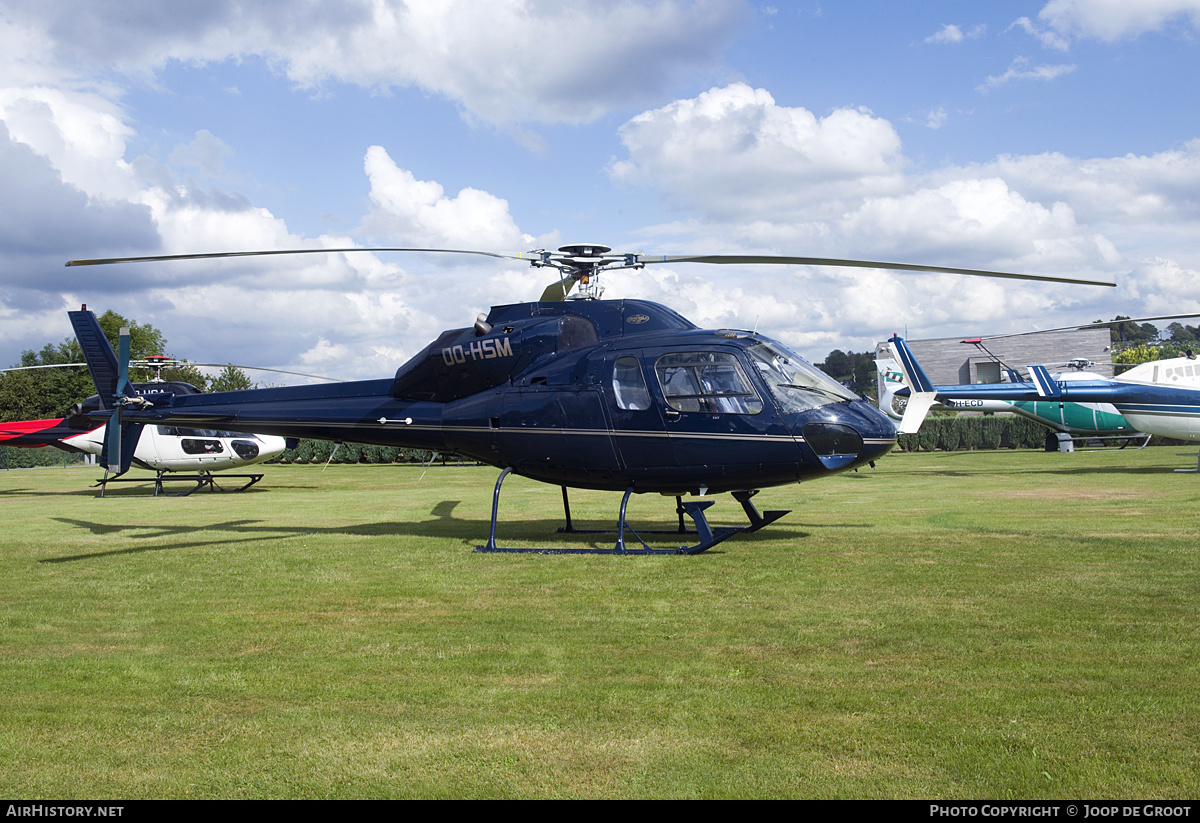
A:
x: 569, y: 528
x: 695, y: 509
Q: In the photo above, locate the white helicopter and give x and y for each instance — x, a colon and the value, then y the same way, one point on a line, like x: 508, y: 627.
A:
x: 174, y: 453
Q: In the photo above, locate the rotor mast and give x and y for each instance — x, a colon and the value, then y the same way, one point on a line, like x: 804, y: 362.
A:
x: 581, y: 263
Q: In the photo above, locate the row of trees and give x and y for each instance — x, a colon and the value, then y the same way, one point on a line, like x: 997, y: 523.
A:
x: 324, y: 451
x: 46, y: 393
x: 1129, y: 334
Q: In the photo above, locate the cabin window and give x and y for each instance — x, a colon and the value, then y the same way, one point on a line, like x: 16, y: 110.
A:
x: 797, y: 385
x: 629, y: 386
x: 196, y: 446
x: 711, y: 382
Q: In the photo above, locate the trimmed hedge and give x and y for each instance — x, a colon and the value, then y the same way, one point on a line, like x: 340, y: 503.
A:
x: 972, y: 433
x: 15, y: 457
x: 319, y: 451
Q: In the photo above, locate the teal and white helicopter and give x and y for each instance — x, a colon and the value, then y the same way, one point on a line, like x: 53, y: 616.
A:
x: 1067, y: 423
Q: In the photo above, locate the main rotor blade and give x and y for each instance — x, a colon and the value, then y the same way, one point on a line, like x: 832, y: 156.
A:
x: 46, y: 366
x: 744, y: 259
x: 859, y: 264
x: 264, y: 368
x: 1098, y: 325
x: 104, y: 261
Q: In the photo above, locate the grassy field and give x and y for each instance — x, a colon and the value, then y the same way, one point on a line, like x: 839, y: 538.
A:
x: 958, y: 625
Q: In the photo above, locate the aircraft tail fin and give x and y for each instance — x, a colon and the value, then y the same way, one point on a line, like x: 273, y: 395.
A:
x: 116, y: 455
x: 923, y: 393
x: 100, y: 358
x: 917, y: 378
x: 110, y: 373
x: 1046, y: 385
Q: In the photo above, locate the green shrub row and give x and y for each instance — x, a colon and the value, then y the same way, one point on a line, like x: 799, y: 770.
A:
x: 973, y: 433
x: 12, y: 457
x: 320, y: 451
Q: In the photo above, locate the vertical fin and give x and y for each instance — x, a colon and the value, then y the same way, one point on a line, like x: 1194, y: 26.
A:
x: 101, y: 360
x: 110, y: 373
x: 1046, y: 385
x: 923, y: 392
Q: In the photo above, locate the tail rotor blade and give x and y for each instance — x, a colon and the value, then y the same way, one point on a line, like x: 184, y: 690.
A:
x: 123, y: 387
x: 114, y: 457
x: 111, y: 458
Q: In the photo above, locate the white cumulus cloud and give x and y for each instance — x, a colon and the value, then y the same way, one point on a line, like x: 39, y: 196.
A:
x: 503, y: 61
x: 1111, y: 20
x: 733, y: 151
x: 418, y: 212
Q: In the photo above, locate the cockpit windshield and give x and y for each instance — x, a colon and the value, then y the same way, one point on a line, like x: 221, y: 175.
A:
x: 797, y: 385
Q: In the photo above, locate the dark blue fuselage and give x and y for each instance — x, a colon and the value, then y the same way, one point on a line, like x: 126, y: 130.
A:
x: 588, y: 394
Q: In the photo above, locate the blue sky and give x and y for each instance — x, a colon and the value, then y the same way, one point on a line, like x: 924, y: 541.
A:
x: 1057, y: 137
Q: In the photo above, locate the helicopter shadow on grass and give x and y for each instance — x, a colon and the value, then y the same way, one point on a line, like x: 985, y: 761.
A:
x: 533, y: 533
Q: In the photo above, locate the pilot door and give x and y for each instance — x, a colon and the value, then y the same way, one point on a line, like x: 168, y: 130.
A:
x: 715, y: 415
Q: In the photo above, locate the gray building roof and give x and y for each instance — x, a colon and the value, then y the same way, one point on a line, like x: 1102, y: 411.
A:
x: 951, y: 361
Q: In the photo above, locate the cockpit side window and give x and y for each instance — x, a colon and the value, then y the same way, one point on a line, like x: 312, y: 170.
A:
x: 629, y: 386
x: 710, y: 382
x: 797, y: 385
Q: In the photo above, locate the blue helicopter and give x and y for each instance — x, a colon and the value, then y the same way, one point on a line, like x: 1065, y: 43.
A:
x: 616, y: 395
x: 1160, y: 397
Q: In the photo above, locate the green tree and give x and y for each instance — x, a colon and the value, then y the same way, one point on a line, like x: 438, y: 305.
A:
x: 1181, y: 333
x: 231, y: 378
x: 187, y: 374
x: 45, y: 393
x: 1131, y: 333
x: 853, y: 369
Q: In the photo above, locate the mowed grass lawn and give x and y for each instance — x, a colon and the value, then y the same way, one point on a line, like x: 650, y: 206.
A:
x: 963, y: 625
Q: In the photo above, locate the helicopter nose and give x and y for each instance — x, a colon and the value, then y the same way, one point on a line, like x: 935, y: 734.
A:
x: 836, y: 444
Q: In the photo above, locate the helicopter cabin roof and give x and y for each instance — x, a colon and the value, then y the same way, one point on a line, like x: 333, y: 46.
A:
x: 612, y: 318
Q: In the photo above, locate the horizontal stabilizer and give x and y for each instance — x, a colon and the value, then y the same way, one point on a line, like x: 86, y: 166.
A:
x: 914, y: 413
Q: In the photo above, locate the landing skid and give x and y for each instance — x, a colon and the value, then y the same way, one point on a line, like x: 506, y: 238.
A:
x: 1190, y: 471
x: 1063, y: 442
x: 708, y: 535
x: 200, y: 480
